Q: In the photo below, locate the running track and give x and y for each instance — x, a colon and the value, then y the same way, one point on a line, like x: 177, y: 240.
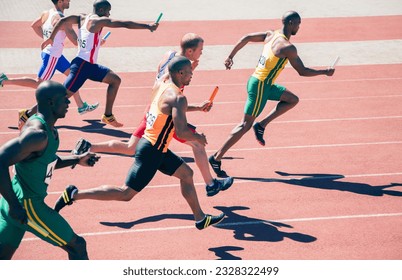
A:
x: 328, y: 185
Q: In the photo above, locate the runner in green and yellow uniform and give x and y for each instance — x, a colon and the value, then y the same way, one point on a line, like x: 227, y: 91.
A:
x: 33, y: 154
x: 261, y: 85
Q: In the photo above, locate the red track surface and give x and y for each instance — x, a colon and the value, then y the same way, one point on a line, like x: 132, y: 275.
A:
x: 346, y: 130
x: 331, y: 30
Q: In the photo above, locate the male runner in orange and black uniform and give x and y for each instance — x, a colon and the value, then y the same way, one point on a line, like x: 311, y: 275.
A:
x: 191, y: 47
x: 167, y: 114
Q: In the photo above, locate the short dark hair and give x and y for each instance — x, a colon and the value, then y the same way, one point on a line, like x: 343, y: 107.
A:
x: 289, y: 16
x: 101, y: 4
x: 55, y: 1
x: 190, y: 41
x: 178, y: 63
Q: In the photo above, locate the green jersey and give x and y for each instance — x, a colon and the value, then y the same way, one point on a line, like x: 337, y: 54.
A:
x: 32, y: 176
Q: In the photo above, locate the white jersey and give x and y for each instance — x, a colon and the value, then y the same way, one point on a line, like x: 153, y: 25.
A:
x: 163, y: 68
x: 88, y: 43
x: 56, y: 49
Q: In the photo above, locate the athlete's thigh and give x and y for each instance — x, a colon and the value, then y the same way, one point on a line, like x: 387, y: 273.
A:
x: 144, y: 167
x: 184, y: 172
x: 10, y: 233
x: 63, y: 65
x: 79, y: 71
x: 99, y: 73
x: 133, y: 141
x: 48, y: 67
x: 53, y: 228
x: 139, y: 131
x: 256, y: 98
x: 276, y: 92
x: 259, y: 92
x: 288, y: 96
x: 170, y: 163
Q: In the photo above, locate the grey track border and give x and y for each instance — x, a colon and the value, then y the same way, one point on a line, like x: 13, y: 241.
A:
x: 27, y: 10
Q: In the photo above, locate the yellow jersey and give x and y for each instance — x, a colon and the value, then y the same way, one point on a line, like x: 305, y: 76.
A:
x: 270, y: 66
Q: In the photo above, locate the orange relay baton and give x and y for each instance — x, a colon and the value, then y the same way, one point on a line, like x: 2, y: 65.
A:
x: 211, y: 98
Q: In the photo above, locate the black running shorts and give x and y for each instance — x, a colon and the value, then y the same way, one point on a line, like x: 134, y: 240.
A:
x: 148, y: 160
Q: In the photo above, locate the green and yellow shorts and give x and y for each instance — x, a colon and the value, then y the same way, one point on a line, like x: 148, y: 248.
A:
x: 259, y: 92
x: 45, y: 223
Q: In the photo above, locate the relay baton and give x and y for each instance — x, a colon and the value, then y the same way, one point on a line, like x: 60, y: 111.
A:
x: 335, y: 62
x: 211, y: 98
x: 38, y: 228
x: 159, y: 18
x: 106, y: 35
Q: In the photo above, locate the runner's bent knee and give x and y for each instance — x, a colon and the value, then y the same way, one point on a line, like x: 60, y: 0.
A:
x: 77, y: 248
x: 289, y: 97
x: 184, y: 172
x: 112, y: 79
x: 127, y: 193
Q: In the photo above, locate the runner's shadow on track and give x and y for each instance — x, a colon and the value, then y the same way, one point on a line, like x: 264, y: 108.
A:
x: 152, y: 219
x: 252, y: 229
x: 95, y: 126
x: 232, y: 158
x: 223, y: 252
x: 329, y: 182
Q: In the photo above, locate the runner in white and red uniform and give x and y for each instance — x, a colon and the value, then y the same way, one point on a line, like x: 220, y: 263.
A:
x: 85, y: 66
x: 52, y: 57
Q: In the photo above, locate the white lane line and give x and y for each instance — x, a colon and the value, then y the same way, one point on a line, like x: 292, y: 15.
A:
x: 22, y: 89
x: 314, y: 120
x: 131, y: 128
x: 223, y: 225
x: 323, y: 146
x: 242, y: 102
x: 341, y: 119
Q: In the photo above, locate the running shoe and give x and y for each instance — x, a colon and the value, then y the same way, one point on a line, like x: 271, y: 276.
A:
x: 22, y: 118
x: 111, y: 120
x: 209, y: 220
x: 3, y: 77
x: 216, y: 166
x: 214, y: 189
x: 86, y: 108
x: 66, y: 198
x: 226, y: 183
x: 81, y: 147
x: 219, y: 185
x: 259, y: 133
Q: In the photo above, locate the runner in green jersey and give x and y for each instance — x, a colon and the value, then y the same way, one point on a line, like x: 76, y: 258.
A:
x: 33, y: 157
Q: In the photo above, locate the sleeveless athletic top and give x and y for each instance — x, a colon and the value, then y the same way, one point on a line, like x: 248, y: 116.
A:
x: 270, y: 66
x: 56, y: 49
x: 163, y: 68
x: 32, y: 177
x: 160, y: 129
x: 88, y: 43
